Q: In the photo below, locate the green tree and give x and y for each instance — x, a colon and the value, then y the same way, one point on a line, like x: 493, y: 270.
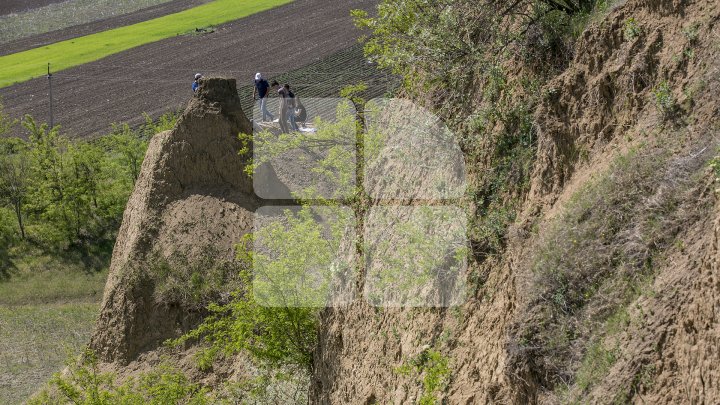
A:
x: 131, y: 148
x: 51, y: 196
x: 66, y: 180
x: 87, y: 160
x: 291, y: 261
x: 275, y: 314
x: 14, y: 179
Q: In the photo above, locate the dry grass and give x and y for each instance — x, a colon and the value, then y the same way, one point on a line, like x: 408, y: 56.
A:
x: 35, y: 342
x: 48, y: 305
x: 600, y: 254
x: 193, y: 285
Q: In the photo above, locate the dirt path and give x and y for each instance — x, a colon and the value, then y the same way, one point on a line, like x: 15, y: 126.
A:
x: 145, y: 14
x: 157, y: 77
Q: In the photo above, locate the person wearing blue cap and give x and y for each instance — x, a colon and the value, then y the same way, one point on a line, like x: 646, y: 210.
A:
x: 196, y: 82
x: 262, y: 89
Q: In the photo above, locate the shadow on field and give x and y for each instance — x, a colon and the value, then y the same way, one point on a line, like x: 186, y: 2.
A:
x: 7, y: 267
x: 31, y: 256
x: 94, y: 255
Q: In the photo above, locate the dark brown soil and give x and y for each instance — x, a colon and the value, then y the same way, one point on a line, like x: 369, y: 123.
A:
x: 18, y: 6
x: 145, y: 14
x: 157, y: 77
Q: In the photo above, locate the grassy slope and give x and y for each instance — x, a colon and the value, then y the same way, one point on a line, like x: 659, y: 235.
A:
x: 35, y: 341
x: 49, y: 299
x: 29, y: 64
x: 48, y: 304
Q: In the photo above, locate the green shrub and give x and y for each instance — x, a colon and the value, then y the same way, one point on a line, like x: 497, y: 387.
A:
x: 632, y: 29
x: 85, y: 384
x: 434, y: 371
x: 664, y: 100
x: 269, y: 316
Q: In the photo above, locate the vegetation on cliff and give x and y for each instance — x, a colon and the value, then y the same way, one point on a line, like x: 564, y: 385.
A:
x: 587, y: 182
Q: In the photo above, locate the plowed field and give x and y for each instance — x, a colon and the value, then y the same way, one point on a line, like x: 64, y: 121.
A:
x: 156, y: 77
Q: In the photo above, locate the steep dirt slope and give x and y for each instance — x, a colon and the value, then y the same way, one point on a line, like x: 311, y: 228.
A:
x: 193, y: 199
x: 643, y: 87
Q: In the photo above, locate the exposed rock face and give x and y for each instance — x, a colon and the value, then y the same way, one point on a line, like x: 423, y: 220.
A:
x: 192, y: 194
x: 601, y: 106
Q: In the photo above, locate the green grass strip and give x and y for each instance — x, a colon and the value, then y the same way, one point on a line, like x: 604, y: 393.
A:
x: 26, y: 65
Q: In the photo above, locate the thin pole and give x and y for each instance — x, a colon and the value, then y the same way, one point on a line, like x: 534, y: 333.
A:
x: 49, y: 76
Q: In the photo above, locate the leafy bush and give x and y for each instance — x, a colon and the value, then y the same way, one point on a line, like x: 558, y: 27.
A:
x: 270, y: 316
x: 269, y: 387
x: 664, y: 100
x: 632, y: 29
x: 85, y: 384
x: 193, y: 284
x: 433, y: 368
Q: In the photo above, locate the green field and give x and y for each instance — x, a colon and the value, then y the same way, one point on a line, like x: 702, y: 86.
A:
x: 23, y: 66
x: 65, y: 14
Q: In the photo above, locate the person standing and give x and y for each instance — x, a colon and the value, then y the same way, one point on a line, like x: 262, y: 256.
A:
x: 300, y: 112
x: 291, y: 107
x: 262, y: 89
x: 283, y: 112
x: 196, y: 82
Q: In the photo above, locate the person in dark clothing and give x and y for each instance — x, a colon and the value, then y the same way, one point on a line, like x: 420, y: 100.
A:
x: 262, y: 90
x: 283, y: 112
x: 196, y: 82
x: 291, y: 107
x: 300, y: 112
